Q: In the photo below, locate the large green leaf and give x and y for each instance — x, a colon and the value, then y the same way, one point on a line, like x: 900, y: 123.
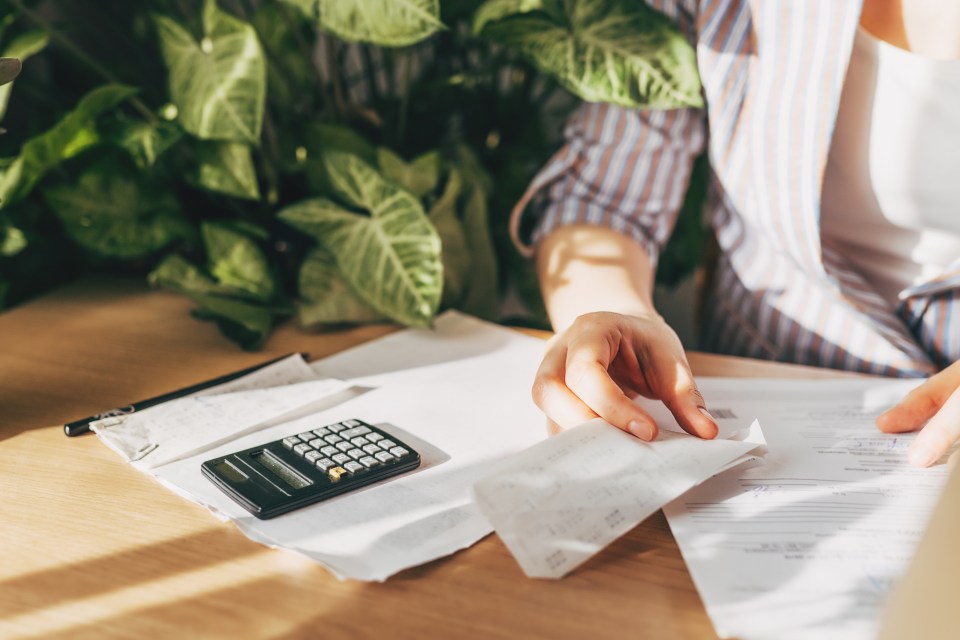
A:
x: 22, y: 47
x: 12, y: 240
x: 326, y: 298
x: 496, y: 10
x: 420, y: 176
x: 227, y: 167
x: 244, y: 322
x: 618, y: 51
x: 144, y: 141
x: 111, y: 213
x: 456, y: 256
x: 322, y: 137
x: 387, y: 23
x: 236, y: 261
x: 177, y: 273
x: 75, y: 133
x: 218, y: 84
x: 390, y: 257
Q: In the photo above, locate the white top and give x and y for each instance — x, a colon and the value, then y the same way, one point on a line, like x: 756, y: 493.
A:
x: 891, y: 193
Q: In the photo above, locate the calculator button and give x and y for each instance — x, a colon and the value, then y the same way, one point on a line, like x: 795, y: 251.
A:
x: 340, y: 458
x: 291, y: 441
x: 368, y: 461
x: 372, y: 449
x: 301, y: 449
x: 356, y: 454
x: 352, y: 423
x: 325, y: 463
x: 359, y: 441
x: 335, y: 473
x: 373, y: 437
x: 399, y: 452
x: 353, y: 433
x: 313, y: 456
x: 316, y: 443
x: 336, y: 428
x: 329, y: 451
x: 345, y: 446
x: 383, y: 456
x: 322, y: 431
x: 387, y: 444
x: 353, y: 467
x: 333, y: 438
x: 306, y: 436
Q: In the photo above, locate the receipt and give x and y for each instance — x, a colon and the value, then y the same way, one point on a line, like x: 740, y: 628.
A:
x: 181, y: 427
x: 561, y: 501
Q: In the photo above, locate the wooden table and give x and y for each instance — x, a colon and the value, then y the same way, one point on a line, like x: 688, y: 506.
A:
x: 90, y: 547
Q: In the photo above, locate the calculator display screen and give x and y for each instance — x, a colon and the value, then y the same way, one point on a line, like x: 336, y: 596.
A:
x: 280, y: 470
x: 230, y: 472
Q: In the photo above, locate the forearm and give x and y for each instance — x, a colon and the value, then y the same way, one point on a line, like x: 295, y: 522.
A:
x: 586, y: 268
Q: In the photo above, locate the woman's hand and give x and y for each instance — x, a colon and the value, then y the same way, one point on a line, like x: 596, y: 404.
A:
x: 933, y: 407
x: 604, y: 359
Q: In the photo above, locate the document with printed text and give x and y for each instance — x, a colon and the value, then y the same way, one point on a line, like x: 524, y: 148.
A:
x: 809, y: 544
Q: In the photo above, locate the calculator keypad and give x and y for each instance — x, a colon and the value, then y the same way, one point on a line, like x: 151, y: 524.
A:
x: 350, y: 446
x: 310, y: 466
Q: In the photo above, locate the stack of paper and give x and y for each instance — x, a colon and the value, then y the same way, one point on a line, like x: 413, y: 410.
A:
x: 458, y: 393
x: 809, y: 544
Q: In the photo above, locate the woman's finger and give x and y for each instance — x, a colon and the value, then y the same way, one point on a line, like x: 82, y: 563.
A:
x: 587, y: 376
x: 940, y: 433
x: 679, y: 393
x: 922, y: 403
x: 561, y: 406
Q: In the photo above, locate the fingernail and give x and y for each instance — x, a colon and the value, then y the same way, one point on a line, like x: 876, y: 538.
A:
x: 641, y: 430
x: 707, y: 413
x: 921, y: 455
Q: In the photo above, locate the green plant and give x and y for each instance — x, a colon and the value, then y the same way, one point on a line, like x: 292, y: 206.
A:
x: 333, y: 159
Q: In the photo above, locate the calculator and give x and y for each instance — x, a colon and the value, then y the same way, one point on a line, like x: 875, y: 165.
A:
x: 280, y: 476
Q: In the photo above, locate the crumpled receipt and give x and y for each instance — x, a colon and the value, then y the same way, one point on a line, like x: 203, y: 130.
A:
x: 561, y: 501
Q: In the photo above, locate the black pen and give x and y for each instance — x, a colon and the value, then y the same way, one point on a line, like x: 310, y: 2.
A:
x: 78, y: 427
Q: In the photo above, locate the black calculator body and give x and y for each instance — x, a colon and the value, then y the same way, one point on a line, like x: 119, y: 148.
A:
x: 280, y: 476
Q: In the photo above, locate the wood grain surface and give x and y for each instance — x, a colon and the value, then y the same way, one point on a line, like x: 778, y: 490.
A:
x: 91, y: 548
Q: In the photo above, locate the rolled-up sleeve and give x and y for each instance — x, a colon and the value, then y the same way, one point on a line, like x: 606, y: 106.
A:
x: 626, y: 169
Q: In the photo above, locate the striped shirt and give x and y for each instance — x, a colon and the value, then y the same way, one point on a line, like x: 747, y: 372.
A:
x: 772, y: 75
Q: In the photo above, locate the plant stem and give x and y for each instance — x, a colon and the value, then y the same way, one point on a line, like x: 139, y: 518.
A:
x: 271, y: 159
x: 371, y: 71
x: 339, y: 101
x: 406, y: 66
x: 305, y: 50
x: 81, y: 55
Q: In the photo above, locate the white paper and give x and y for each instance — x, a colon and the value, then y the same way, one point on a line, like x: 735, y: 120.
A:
x: 561, y: 501
x: 459, y: 394
x: 136, y: 435
x: 809, y: 544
